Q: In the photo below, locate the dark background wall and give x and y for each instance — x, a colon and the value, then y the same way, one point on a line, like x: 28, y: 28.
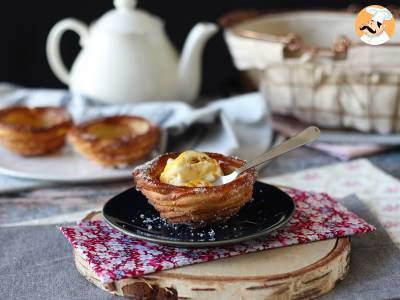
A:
x: 24, y: 26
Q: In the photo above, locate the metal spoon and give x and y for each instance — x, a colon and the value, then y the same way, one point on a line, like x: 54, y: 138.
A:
x: 304, y: 137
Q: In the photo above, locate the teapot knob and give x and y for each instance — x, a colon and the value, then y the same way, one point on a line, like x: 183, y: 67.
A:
x: 125, y: 4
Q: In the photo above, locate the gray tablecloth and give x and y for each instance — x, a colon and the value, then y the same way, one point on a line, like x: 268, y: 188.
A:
x: 36, y: 263
x: 374, y: 265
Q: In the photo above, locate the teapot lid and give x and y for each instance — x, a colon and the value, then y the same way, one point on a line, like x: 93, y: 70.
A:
x: 126, y: 19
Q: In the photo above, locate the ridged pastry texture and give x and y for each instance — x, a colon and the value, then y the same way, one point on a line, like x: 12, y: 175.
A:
x: 33, y: 131
x: 195, y: 205
x: 115, y: 141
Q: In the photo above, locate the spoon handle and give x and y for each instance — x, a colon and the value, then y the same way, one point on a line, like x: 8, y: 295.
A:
x: 304, y: 137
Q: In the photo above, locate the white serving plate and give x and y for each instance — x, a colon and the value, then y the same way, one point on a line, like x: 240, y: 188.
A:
x: 65, y: 166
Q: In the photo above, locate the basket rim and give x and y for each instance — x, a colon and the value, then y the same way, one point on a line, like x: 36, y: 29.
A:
x: 233, y: 20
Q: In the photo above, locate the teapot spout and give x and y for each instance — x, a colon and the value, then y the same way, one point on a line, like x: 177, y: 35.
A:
x: 189, y: 72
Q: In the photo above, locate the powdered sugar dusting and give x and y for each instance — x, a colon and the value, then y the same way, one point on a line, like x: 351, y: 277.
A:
x: 144, y: 170
x: 147, y: 166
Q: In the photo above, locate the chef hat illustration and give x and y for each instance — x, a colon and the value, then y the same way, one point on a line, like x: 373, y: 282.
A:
x: 379, y: 14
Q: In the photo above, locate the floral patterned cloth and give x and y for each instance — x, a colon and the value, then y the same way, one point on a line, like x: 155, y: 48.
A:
x: 378, y: 190
x: 113, y: 255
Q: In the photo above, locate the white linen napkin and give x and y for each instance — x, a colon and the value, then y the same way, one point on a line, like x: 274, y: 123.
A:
x: 239, y: 125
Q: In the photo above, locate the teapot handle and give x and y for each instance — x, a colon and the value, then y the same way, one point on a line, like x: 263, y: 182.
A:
x: 53, y: 45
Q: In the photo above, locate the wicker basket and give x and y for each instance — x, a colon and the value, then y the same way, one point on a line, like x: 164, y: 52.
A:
x: 312, y: 65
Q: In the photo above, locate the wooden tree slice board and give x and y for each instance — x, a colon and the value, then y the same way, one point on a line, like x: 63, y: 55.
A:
x: 295, y: 272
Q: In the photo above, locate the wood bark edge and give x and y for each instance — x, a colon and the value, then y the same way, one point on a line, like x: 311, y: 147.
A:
x: 305, y: 283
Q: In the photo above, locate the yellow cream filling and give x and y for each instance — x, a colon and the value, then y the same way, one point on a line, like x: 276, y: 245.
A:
x: 191, y: 168
x: 107, y: 131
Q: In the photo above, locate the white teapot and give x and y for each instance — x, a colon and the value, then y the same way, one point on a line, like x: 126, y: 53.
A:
x: 127, y: 57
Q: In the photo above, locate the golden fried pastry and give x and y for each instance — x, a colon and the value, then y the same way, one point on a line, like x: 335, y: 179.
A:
x: 33, y: 131
x: 115, y: 141
x: 194, y: 203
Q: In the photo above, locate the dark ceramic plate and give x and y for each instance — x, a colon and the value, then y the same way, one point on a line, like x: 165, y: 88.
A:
x: 269, y: 209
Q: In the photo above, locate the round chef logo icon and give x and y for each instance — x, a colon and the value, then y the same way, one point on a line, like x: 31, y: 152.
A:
x: 374, y: 25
